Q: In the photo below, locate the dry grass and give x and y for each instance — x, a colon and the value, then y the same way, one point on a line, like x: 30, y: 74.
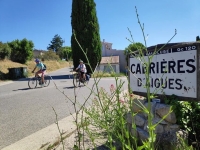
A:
x: 51, y: 65
x: 5, y: 64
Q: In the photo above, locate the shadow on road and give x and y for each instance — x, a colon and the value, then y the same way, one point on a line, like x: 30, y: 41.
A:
x: 72, y: 87
x: 58, y: 77
x: 54, y: 77
x: 22, y: 89
x: 22, y: 79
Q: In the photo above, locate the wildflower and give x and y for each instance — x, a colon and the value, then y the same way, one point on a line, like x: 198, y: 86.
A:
x: 102, y: 89
x: 131, y: 95
x: 121, y: 101
x: 112, y: 88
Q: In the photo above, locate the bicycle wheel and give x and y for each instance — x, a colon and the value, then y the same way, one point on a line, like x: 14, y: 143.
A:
x: 46, y: 80
x: 76, y: 80
x: 32, y: 83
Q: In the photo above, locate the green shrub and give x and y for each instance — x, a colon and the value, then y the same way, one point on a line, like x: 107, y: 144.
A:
x: 21, y: 50
x: 5, y: 50
x: 188, y: 116
x: 100, y: 74
x: 49, y: 55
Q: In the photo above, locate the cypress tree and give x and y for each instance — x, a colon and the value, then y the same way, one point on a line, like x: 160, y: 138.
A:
x: 197, y: 38
x: 85, y: 25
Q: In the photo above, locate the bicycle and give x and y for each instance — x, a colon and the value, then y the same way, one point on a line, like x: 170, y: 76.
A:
x: 32, y: 83
x: 77, y: 79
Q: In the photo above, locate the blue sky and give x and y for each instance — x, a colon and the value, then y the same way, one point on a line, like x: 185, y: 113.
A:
x: 40, y: 20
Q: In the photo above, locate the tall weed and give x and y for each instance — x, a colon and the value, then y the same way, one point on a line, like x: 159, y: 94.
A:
x: 106, y: 118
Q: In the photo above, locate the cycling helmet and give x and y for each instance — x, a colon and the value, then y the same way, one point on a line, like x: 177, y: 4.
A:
x: 37, y: 60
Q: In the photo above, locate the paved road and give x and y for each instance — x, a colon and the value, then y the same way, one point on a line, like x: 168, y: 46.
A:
x: 24, y: 111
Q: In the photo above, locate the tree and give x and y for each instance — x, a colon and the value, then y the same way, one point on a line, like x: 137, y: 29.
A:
x: 85, y: 25
x: 197, y: 38
x: 131, y: 48
x: 5, y: 50
x: 56, y: 43
x: 49, y: 55
x: 65, y: 52
x: 21, y: 50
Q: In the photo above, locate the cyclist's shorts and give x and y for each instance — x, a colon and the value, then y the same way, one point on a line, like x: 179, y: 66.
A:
x: 82, y: 72
x: 42, y: 71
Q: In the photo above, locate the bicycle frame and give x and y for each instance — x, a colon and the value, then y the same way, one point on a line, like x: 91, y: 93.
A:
x: 33, y: 82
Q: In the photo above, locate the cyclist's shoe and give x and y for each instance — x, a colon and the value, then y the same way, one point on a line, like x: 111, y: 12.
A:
x: 42, y: 85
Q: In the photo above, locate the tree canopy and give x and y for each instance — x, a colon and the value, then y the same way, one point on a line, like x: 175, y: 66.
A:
x: 85, y: 25
x: 197, y: 38
x: 56, y: 43
x: 133, y: 47
x: 21, y: 50
x: 65, y: 52
x: 5, y: 50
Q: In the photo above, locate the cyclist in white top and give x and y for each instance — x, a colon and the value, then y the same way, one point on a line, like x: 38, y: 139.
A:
x: 83, y: 69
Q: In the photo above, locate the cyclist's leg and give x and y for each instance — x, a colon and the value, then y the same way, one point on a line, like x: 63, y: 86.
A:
x: 42, y: 75
x: 84, y: 77
x: 80, y: 75
x: 37, y: 74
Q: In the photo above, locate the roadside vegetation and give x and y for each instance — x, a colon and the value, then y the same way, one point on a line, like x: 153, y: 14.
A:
x: 52, y: 65
x: 20, y: 53
x: 105, y: 118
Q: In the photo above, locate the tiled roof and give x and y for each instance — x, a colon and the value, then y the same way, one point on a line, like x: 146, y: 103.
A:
x: 111, y: 60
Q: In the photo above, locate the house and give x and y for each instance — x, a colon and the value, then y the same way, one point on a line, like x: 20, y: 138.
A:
x: 107, y: 51
x: 38, y: 53
x: 109, y: 64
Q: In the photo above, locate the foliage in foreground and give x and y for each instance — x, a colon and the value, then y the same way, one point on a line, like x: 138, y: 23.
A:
x: 108, y: 111
x: 187, y: 114
x: 107, y: 114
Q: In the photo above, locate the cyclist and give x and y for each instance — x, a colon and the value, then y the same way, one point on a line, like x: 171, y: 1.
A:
x: 83, y: 69
x: 41, y: 70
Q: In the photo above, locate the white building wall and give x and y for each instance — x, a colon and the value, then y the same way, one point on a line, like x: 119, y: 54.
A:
x: 105, y: 47
x: 103, y: 66
x: 107, y: 51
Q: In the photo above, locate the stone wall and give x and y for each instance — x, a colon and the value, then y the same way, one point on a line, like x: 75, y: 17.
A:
x: 165, y: 129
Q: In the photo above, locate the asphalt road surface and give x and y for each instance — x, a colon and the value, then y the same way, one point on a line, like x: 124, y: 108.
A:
x: 24, y: 111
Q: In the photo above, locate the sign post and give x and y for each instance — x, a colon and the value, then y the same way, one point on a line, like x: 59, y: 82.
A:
x: 174, y: 70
